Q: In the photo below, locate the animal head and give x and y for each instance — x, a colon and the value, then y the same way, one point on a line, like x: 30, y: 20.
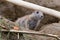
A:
x: 37, y: 15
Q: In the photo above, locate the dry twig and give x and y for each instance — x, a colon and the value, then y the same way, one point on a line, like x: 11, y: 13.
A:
x: 34, y: 33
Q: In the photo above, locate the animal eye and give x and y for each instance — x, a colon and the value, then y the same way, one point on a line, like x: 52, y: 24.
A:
x: 37, y: 12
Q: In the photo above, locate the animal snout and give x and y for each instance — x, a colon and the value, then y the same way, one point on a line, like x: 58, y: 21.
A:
x: 42, y: 17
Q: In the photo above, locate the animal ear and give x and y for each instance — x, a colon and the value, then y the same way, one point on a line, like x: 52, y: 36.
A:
x: 34, y: 12
x: 37, y: 11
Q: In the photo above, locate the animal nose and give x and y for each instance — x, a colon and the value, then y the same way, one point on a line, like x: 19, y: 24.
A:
x: 42, y: 16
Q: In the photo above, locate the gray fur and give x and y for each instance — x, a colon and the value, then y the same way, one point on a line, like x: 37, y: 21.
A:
x: 32, y: 21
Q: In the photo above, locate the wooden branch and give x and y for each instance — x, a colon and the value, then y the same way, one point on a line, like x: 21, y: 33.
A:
x: 33, y: 32
x: 36, y: 7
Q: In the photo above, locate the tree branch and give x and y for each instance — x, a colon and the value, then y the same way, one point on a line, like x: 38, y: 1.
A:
x: 33, y: 32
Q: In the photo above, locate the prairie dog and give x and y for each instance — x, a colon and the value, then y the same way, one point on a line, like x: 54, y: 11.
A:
x: 30, y: 21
